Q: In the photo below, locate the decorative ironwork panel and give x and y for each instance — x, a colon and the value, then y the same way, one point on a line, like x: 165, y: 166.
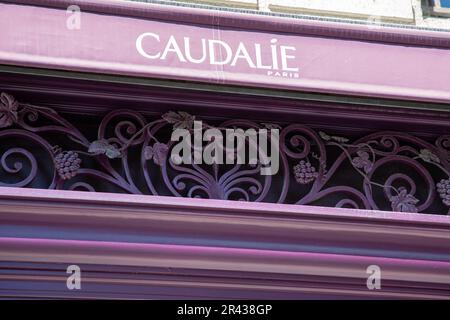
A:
x: 127, y: 152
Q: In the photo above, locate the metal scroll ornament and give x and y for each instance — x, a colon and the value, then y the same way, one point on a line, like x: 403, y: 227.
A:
x: 128, y: 153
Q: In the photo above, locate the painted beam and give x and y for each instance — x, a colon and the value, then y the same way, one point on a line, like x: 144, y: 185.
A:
x: 145, y: 246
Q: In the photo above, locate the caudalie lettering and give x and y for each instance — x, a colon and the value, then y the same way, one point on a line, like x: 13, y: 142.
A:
x: 270, y: 56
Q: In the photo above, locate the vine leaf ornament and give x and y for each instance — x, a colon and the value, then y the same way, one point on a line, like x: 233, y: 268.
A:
x: 158, y: 153
x: 404, y: 202
x: 362, y: 161
x: 180, y: 119
x: 327, y: 137
x: 324, y: 136
x: 443, y: 189
x: 428, y: 156
x: 148, y: 153
x: 339, y: 139
x: 8, y: 110
x: 104, y: 147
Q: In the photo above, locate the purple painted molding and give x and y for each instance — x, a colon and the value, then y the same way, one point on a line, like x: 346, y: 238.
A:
x: 283, y: 226
x: 102, y: 96
x: 147, y: 269
x: 395, y: 71
x: 250, y: 208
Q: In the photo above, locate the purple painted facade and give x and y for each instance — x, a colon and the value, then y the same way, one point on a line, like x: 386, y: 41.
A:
x: 317, y: 62
x: 367, y: 109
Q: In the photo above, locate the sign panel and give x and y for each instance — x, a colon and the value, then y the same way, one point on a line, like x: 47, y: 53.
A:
x: 101, y: 43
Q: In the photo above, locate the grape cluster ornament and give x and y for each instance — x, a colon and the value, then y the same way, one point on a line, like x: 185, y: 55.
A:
x: 443, y: 188
x: 304, y: 172
x: 67, y: 164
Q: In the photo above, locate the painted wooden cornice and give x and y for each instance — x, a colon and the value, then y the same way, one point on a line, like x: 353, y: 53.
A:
x: 144, y: 246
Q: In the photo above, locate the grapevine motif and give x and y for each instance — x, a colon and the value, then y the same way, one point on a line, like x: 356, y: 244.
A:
x: 404, y: 202
x: 443, y: 189
x: 67, y: 164
x: 304, y: 172
x: 131, y: 154
x: 362, y: 161
x: 8, y: 110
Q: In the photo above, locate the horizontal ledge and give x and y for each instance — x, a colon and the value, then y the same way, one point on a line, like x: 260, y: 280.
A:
x: 49, y: 81
x: 385, y: 17
x: 219, y: 259
x: 327, y: 271
x: 276, y: 271
x: 222, y: 206
x: 282, y: 227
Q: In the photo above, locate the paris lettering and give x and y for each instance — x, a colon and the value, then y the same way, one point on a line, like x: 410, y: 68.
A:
x: 272, y: 58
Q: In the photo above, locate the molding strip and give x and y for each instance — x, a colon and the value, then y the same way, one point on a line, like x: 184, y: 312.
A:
x: 237, y: 261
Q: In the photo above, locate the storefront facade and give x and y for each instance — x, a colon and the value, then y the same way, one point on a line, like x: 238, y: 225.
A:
x: 91, y: 94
